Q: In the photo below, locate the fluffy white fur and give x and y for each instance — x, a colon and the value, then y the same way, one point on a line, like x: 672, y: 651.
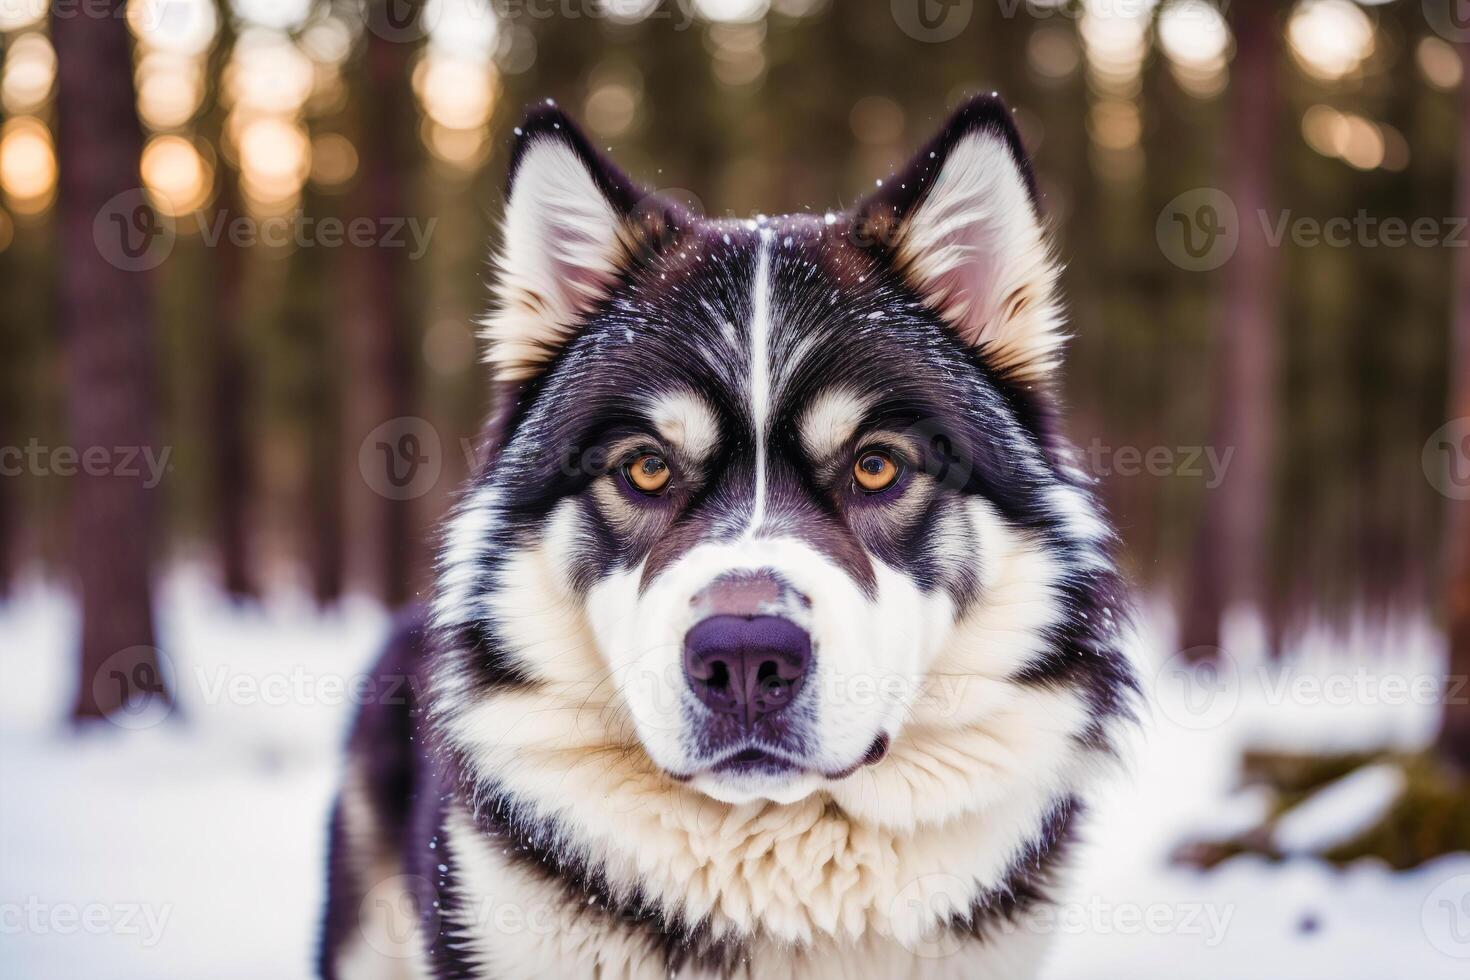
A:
x: 975, y: 249
x: 561, y: 249
x: 972, y: 768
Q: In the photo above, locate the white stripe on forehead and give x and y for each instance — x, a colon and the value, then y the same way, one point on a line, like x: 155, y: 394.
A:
x: 760, y: 375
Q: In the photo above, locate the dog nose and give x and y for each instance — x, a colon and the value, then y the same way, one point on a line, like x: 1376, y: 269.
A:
x: 752, y: 666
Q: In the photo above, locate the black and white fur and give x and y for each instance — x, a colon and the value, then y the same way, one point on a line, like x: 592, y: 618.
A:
x: 547, y: 799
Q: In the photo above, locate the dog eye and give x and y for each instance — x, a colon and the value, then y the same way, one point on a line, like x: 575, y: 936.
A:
x: 648, y: 474
x: 875, y: 471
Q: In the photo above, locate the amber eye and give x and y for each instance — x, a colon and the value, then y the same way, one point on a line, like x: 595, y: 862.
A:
x: 875, y: 471
x: 648, y: 474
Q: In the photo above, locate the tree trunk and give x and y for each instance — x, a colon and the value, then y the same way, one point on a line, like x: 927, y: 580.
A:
x: 1454, y: 738
x: 380, y: 305
x: 1229, y: 564
x: 106, y: 322
x: 231, y: 469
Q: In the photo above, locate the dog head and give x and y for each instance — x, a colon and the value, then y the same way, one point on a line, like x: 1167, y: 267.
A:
x: 768, y: 500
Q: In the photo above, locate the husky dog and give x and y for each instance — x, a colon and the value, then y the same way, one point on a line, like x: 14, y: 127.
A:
x: 778, y: 634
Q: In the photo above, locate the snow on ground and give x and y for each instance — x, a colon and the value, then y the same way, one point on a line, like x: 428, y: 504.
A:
x: 194, y: 847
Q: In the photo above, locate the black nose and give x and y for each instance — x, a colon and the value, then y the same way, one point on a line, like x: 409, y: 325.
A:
x: 751, y: 666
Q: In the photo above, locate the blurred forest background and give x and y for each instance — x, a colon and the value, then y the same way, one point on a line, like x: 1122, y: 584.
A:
x: 1264, y: 423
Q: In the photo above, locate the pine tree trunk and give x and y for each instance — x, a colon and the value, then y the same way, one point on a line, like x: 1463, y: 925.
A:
x: 231, y: 469
x: 380, y: 303
x: 1454, y: 738
x: 1229, y: 559
x: 106, y: 322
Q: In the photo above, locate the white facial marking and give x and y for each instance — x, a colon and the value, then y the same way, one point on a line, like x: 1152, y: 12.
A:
x: 831, y: 420
x: 760, y: 375
x: 686, y: 420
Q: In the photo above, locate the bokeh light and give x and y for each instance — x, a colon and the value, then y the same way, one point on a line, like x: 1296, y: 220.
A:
x: 1115, y: 37
x: 268, y: 73
x: 1053, y: 53
x: 463, y: 149
x: 30, y: 71
x: 1439, y: 63
x: 614, y: 93
x: 1356, y: 140
x: 27, y: 164
x: 1114, y: 124
x: 281, y: 15
x: 465, y: 28
x: 1196, y: 40
x: 1330, y: 39
x: 732, y: 11
x: 176, y: 175
x: 170, y: 88
x: 185, y: 27
x: 455, y: 92
x: 16, y: 15
x: 333, y: 161
x: 738, y: 54
x: 275, y: 158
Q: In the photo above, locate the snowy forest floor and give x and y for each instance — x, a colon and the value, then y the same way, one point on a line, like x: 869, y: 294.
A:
x: 194, y: 847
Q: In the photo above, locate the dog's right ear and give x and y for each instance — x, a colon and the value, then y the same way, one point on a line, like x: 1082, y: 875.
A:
x: 573, y: 221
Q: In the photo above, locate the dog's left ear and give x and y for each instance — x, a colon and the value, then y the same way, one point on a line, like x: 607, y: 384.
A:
x: 962, y: 224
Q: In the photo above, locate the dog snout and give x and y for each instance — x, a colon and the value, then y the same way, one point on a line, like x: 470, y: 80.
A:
x: 748, y: 666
